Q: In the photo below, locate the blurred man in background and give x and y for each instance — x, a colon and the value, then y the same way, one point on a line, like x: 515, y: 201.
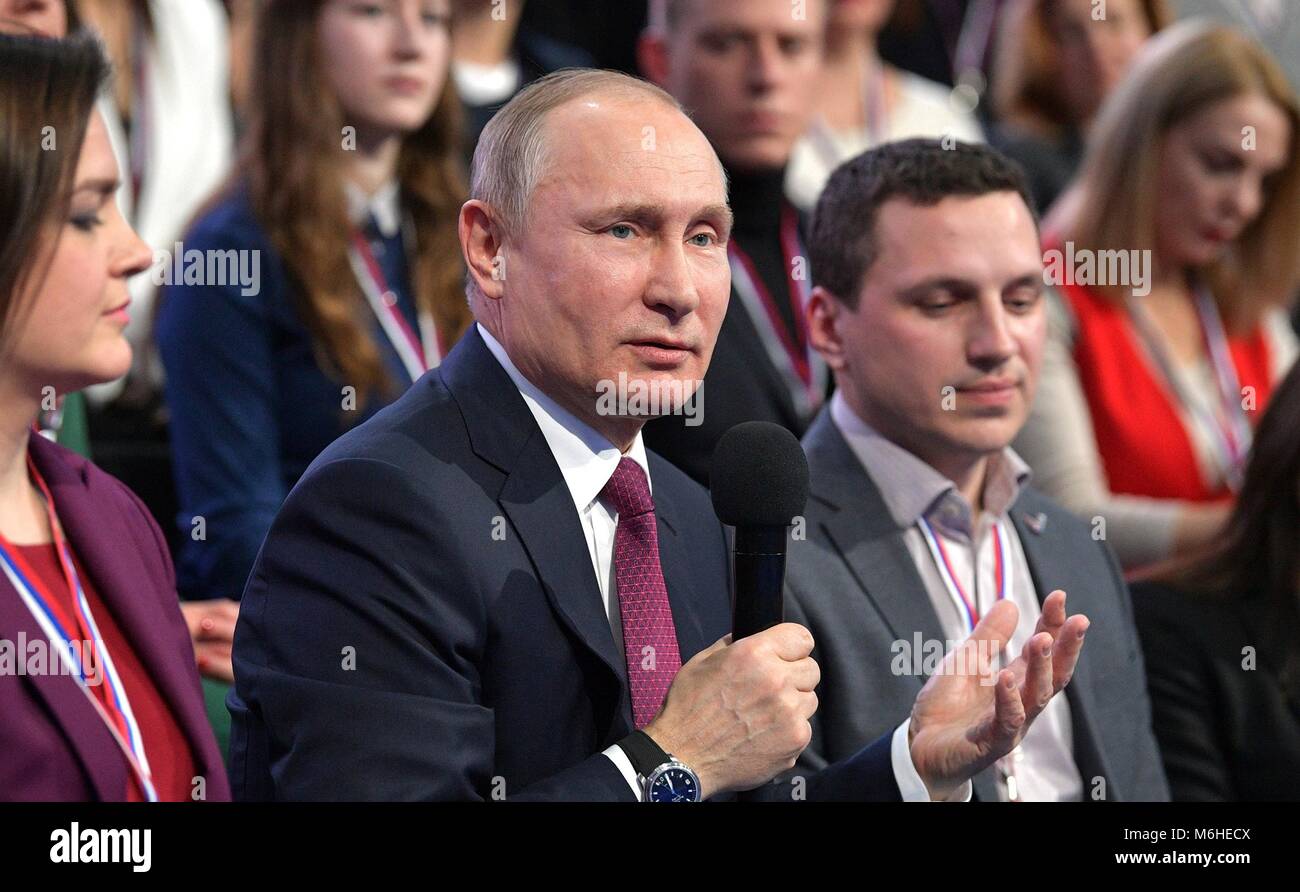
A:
x: 746, y: 71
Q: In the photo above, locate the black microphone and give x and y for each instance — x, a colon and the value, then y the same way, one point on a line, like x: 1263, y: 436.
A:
x: 759, y: 484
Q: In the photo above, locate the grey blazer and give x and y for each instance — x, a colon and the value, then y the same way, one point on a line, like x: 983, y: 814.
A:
x: 852, y: 582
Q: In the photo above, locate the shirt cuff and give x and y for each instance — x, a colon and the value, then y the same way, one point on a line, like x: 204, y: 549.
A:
x: 909, y: 780
x: 624, y: 766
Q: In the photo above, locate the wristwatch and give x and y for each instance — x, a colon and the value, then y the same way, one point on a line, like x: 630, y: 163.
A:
x: 662, y: 778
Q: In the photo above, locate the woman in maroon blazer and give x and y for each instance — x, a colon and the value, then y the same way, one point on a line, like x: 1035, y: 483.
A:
x: 99, y: 695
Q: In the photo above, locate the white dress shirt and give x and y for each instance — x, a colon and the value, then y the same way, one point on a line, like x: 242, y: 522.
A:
x: 587, y: 460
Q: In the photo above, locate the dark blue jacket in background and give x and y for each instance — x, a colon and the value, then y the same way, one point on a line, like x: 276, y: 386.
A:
x: 250, y: 405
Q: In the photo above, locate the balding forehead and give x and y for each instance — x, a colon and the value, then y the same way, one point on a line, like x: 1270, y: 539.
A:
x: 624, y: 125
x: 512, y: 152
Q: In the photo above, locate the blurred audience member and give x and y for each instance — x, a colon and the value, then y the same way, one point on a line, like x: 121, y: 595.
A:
x: 493, y: 58
x: 862, y: 102
x: 606, y: 31
x: 341, y: 224
x: 1222, y: 635
x: 1055, y: 64
x: 1274, y: 23
x: 212, y: 622
x: 169, y: 119
x: 941, y: 40
x: 1175, y: 256
x: 243, y: 16
x: 48, y: 17
x: 113, y: 709
x: 746, y: 70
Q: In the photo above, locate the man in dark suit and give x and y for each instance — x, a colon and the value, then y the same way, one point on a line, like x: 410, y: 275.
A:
x: 929, y: 307
x: 492, y: 590
x: 746, y: 71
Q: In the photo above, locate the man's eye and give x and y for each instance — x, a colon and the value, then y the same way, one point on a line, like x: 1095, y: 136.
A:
x: 621, y: 231
x: 793, y: 46
x: 720, y: 43
x: 707, y: 237
x: 1218, y: 163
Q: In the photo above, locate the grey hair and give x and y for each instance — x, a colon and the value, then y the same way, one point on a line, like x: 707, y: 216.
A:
x: 512, y: 150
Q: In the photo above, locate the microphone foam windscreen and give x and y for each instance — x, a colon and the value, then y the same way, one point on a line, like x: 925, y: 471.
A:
x: 759, y: 476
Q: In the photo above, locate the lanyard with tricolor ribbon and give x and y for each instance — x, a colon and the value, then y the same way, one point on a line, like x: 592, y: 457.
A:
x: 803, y: 368
x: 1234, y: 427
x: 418, y: 352
x: 59, y: 627
x: 1230, y: 430
x: 967, y: 607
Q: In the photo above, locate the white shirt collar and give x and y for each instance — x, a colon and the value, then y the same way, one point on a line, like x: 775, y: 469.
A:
x: 910, y: 487
x: 486, y: 84
x: 384, y: 205
x: 586, y: 458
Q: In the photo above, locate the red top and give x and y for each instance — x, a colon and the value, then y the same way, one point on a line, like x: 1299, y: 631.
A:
x: 165, y: 745
x: 1145, y: 449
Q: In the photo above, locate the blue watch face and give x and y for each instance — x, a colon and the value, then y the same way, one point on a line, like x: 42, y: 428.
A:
x: 674, y: 785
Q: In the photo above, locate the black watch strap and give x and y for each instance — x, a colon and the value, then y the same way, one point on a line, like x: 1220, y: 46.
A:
x: 644, y: 754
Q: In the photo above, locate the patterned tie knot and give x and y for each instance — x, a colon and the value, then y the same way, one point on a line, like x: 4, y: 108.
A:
x: 628, y: 490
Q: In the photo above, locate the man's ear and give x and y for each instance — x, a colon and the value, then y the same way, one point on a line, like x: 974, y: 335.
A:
x: 652, y: 56
x: 823, y: 317
x: 482, y: 245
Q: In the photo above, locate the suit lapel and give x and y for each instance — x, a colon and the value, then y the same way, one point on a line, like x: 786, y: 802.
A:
x: 866, y: 537
x: 534, y: 496
x: 539, y: 505
x: 537, y: 501
x: 1043, y: 544
x: 88, y: 738
x: 872, y: 546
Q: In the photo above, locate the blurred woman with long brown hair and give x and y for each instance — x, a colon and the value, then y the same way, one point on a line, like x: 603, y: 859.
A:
x: 324, y: 279
x: 1173, y: 260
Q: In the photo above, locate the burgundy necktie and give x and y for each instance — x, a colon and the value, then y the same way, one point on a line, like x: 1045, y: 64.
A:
x: 649, y: 638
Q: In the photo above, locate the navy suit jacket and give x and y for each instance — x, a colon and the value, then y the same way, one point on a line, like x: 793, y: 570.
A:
x: 423, y: 621
x: 53, y: 744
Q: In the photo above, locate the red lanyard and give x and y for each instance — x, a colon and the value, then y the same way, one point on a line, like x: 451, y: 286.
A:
x: 796, y: 350
x: 413, y: 350
x: 966, y: 605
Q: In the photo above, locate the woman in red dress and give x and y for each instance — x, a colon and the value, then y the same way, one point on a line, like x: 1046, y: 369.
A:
x: 1174, y: 258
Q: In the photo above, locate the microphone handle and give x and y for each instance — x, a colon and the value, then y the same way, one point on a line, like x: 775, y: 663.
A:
x: 758, y: 568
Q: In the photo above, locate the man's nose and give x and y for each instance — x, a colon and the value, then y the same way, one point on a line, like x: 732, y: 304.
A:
x: 765, y: 65
x: 671, y: 288
x: 990, y: 343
